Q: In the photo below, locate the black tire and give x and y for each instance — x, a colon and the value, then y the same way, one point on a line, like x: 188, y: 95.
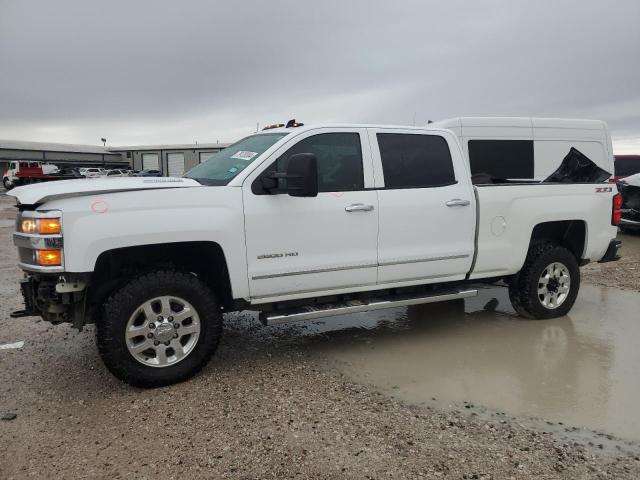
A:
x: 110, y: 333
x: 7, y: 184
x: 523, y: 289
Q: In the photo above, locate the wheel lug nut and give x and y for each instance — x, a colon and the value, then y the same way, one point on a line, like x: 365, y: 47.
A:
x: 156, y: 342
x: 167, y: 343
x: 175, y: 335
x: 150, y: 335
x: 152, y: 326
x: 159, y: 318
x: 170, y: 319
x: 176, y: 325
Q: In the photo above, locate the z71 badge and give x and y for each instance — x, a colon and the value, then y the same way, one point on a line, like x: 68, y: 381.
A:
x: 277, y: 255
x: 604, y: 189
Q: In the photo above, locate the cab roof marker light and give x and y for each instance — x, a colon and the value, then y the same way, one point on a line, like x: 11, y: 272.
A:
x: 274, y: 125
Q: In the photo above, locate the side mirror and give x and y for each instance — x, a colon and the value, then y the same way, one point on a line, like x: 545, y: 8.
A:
x: 302, y: 175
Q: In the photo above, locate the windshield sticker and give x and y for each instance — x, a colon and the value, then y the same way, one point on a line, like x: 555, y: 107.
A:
x: 244, y: 155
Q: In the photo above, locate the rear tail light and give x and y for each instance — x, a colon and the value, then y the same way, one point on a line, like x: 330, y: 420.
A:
x: 616, y: 214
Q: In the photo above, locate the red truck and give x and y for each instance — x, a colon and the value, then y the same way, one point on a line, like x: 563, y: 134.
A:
x: 24, y: 172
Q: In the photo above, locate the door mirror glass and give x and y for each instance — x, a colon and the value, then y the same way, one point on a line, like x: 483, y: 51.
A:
x: 302, y: 175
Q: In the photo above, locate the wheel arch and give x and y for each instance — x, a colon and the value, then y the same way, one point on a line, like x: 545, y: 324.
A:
x: 205, y: 259
x: 571, y: 234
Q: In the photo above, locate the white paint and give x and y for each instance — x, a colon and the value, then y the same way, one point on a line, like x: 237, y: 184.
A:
x: 343, y: 251
x: 498, y: 225
x: 8, y: 346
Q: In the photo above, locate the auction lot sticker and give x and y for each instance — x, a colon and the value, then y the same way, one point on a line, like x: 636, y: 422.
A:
x: 244, y: 155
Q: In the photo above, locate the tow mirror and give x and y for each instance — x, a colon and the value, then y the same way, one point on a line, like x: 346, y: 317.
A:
x: 302, y: 175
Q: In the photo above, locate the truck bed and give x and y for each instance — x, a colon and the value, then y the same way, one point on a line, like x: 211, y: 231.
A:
x: 508, y: 213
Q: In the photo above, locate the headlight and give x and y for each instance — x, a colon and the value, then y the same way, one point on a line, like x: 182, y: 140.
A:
x: 39, y: 240
x: 29, y: 225
x: 42, y: 226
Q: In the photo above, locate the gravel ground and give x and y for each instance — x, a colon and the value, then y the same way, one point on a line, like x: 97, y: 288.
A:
x: 263, y: 408
x: 625, y: 273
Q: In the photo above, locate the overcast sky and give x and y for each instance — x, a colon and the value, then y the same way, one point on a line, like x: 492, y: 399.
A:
x: 171, y: 72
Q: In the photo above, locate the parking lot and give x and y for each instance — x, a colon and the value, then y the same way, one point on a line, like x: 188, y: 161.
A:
x: 457, y: 390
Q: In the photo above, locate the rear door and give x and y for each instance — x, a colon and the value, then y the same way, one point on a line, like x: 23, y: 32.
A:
x: 297, y: 246
x: 427, y: 207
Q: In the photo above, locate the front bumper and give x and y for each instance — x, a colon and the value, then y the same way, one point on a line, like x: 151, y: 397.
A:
x: 611, y: 255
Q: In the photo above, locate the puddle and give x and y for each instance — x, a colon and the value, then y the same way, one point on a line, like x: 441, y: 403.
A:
x: 581, y: 370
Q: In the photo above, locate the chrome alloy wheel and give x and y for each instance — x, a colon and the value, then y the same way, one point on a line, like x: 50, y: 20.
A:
x: 554, y: 285
x: 162, y: 331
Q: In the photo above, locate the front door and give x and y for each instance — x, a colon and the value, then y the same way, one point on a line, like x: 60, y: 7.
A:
x: 297, y: 246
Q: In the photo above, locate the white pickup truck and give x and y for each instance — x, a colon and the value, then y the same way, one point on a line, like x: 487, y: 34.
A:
x: 300, y: 223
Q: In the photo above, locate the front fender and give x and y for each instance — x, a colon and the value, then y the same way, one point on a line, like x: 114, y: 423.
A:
x: 92, y: 225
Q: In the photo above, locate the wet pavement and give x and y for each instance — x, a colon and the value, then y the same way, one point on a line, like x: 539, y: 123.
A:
x: 581, y: 370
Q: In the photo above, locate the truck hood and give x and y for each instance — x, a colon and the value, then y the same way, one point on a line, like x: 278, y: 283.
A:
x: 55, y: 190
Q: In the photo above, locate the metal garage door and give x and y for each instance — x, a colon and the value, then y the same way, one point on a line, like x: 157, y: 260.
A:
x: 175, y: 162
x: 204, y: 156
x: 150, y: 161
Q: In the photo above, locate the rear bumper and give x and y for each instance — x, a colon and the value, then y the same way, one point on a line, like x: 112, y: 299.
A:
x: 611, y: 255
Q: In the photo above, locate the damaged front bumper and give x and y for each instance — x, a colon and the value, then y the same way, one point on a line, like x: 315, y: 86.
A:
x: 55, y: 298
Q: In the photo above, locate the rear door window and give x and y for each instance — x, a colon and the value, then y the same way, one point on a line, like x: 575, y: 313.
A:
x: 415, y: 161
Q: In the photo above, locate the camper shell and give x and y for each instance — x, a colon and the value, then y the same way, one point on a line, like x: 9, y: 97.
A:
x: 528, y: 148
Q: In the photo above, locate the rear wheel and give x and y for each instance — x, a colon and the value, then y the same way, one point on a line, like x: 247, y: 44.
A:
x: 160, y: 328
x: 548, y: 284
x: 8, y: 184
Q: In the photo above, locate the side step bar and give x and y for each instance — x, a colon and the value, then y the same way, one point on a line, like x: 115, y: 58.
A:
x: 354, y: 306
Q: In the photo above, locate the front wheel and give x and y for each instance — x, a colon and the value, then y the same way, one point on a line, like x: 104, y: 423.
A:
x: 548, y: 284
x: 160, y: 328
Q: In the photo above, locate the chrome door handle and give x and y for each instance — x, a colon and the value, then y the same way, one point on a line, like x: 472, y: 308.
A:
x: 358, y: 207
x: 457, y: 202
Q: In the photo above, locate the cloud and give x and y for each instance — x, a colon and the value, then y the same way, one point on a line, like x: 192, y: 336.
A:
x: 151, y: 72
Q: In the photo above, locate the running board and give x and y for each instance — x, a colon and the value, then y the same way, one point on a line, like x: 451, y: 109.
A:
x: 354, y: 306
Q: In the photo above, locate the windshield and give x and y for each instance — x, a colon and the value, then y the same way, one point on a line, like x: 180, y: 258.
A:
x: 220, y: 168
